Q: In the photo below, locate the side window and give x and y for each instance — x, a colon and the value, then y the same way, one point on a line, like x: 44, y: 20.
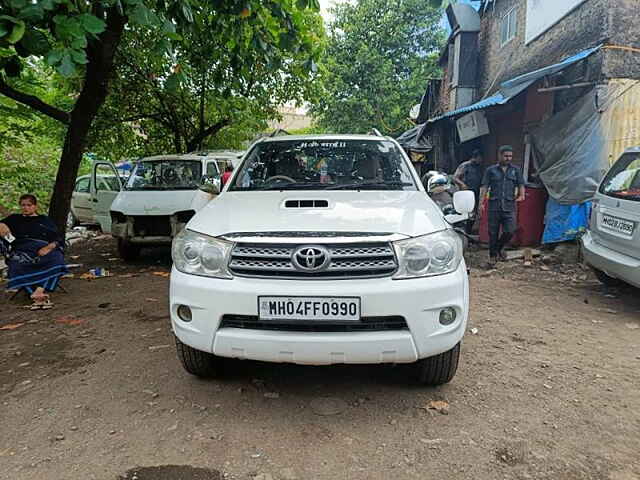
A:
x: 508, y: 26
x: 103, y: 172
x: 82, y: 185
x: 212, y: 169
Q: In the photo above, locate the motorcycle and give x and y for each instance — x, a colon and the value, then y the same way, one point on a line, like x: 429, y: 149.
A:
x: 441, y: 191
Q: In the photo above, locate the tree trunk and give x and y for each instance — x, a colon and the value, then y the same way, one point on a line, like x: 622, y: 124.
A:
x: 99, y: 68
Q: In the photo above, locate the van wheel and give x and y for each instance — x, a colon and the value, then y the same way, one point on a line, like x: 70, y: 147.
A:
x: 127, y: 250
x: 606, y: 279
x: 439, y: 369
x: 198, y: 363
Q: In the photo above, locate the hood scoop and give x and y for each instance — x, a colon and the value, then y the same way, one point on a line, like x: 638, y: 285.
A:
x: 306, y: 204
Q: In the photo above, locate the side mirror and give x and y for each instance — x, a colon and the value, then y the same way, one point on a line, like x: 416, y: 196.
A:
x: 210, y: 188
x: 464, y: 201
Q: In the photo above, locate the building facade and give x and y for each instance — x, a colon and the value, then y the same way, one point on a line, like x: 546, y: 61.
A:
x: 511, y: 38
x: 557, y: 80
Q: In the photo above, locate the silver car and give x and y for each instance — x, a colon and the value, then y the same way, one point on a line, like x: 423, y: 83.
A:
x: 612, y: 244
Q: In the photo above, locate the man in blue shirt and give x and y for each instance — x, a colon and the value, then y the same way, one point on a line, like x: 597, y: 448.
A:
x: 505, y: 185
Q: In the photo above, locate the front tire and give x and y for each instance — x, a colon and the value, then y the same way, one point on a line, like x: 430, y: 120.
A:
x: 198, y: 363
x: 128, y: 251
x: 606, y: 279
x: 439, y: 369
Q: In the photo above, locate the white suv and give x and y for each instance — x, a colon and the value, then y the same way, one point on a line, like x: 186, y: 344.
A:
x: 322, y: 250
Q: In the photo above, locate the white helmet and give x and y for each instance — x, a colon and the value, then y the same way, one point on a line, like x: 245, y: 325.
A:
x: 438, y: 183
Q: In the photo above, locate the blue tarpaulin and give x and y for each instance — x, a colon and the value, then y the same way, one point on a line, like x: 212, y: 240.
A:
x: 565, y: 222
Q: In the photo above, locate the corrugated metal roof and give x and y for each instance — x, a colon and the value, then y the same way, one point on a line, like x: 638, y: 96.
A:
x: 513, y: 87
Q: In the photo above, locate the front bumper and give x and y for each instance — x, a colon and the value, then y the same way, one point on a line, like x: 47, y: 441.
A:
x: 614, y: 264
x: 419, y: 301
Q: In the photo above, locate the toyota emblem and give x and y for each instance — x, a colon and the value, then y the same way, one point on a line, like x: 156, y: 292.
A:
x: 310, y: 258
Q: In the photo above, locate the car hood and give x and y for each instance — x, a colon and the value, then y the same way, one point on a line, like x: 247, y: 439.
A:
x: 397, y: 212
x: 152, y: 202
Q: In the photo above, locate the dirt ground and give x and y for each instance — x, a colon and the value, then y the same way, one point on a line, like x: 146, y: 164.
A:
x: 548, y: 388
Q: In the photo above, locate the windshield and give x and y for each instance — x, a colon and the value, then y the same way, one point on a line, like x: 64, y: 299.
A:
x: 165, y: 175
x: 623, y: 180
x: 324, y: 165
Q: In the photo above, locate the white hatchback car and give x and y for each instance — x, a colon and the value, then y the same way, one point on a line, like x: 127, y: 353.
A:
x: 322, y: 250
x: 82, y: 206
x: 611, y: 246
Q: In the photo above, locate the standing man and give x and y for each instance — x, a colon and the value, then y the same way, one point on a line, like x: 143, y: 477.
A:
x: 505, y: 185
x: 468, y: 176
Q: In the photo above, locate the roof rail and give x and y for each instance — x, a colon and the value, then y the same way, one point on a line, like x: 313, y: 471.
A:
x: 376, y: 132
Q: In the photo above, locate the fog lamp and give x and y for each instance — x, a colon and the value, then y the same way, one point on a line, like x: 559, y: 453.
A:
x: 184, y: 313
x: 447, y: 316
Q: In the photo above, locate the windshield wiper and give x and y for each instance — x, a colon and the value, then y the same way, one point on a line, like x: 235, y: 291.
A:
x: 371, y: 185
x: 291, y: 186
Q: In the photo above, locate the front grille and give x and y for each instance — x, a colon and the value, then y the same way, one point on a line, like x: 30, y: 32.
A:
x: 346, y: 261
x: 152, y: 225
x: 366, y: 324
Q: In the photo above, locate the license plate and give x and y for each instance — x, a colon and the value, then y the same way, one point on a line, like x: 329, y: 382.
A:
x: 309, y: 308
x: 615, y: 224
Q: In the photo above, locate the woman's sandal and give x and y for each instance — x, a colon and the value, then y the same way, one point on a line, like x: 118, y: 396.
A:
x: 43, y: 303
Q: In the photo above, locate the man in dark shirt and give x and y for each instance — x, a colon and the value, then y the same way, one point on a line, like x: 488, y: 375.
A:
x: 468, y: 176
x: 505, y: 185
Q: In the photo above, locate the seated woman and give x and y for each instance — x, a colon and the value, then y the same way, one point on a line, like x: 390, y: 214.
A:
x: 34, y: 252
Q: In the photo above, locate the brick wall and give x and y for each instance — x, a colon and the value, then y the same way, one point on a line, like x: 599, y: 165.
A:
x: 584, y: 27
x: 625, y: 31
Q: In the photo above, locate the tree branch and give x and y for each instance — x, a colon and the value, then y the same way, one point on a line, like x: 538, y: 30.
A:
x: 195, y: 141
x: 35, y: 103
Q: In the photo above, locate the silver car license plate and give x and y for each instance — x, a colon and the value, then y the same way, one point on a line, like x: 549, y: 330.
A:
x: 619, y: 225
x: 309, y: 308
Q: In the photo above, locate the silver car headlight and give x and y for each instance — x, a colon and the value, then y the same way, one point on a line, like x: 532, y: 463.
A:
x: 200, y: 254
x: 434, y: 254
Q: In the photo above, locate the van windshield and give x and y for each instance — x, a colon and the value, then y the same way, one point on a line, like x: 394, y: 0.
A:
x: 623, y: 180
x: 324, y: 164
x: 165, y: 175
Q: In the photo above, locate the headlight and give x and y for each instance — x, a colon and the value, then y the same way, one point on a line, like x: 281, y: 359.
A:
x: 434, y: 254
x: 199, y: 254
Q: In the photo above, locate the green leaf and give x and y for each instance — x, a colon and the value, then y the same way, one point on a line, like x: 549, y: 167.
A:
x: 92, y: 24
x: 79, y: 43
x: 78, y: 56
x: 172, y: 83
x: 4, y: 29
x: 47, y: 4
x: 18, y: 4
x: 35, y: 42
x: 68, y: 28
x: 55, y: 56
x: 16, y: 32
x: 66, y: 66
x: 141, y: 15
x: 186, y: 11
x: 32, y: 13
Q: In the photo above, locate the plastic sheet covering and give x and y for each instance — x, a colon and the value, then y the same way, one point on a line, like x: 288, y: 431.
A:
x: 572, y: 151
x: 415, y: 140
x: 565, y: 222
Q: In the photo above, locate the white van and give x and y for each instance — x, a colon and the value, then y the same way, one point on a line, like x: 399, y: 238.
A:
x: 322, y: 250
x: 156, y: 201
x: 611, y: 246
